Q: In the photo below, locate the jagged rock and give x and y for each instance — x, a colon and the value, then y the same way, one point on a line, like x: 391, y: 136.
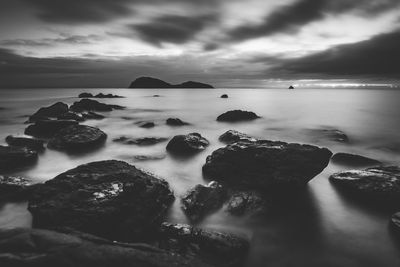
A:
x: 52, y: 111
x: 176, y: 122
x: 233, y: 136
x: 202, y: 200
x: 145, y: 141
x: 16, y: 157
x: 246, y: 202
x: 188, y: 143
x: 378, y: 182
x: 92, y: 105
x: 224, y: 96
x: 215, y: 248
x: 354, y: 160
x: 48, y: 128
x: 110, y: 198
x: 71, y: 116
x: 264, y: 164
x: 237, y: 115
x: 92, y: 116
x: 69, y: 248
x: 77, y: 138
x: 28, y: 142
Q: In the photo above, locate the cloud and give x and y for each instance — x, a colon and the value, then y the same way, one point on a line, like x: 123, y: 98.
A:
x: 72, y: 39
x: 172, y: 28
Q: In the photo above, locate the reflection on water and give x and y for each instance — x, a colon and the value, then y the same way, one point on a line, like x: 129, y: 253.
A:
x: 317, y: 227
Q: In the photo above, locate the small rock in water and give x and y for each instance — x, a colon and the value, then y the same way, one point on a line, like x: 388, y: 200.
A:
x: 188, y: 143
x: 16, y: 157
x: 146, y: 124
x: 176, y: 122
x: 52, y: 111
x: 47, y: 128
x: 233, y: 136
x: 24, y: 141
x: 145, y: 141
x: 148, y: 157
x: 202, y: 200
x: 224, y: 96
x: 237, y: 115
x: 354, y: 160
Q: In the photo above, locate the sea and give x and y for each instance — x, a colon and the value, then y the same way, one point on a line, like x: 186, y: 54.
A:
x: 322, y: 227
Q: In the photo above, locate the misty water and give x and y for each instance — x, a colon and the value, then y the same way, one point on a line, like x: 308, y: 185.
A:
x: 319, y: 227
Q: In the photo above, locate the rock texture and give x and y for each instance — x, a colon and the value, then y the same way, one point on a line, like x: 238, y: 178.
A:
x: 149, y: 82
x: 247, y: 202
x: 233, y: 136
x: 52, y: 111
x: 27, y: 142
x: 47, y: 128
x: 16, y: 157
x: 188, y: 143
x: 77, y: 138
x: 237, y: 115
x: 264, y: 164
x: 354, y: 160
x: 111, y: 199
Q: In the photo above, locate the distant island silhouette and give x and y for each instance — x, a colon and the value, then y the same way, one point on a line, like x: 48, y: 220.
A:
x: 150, y: 82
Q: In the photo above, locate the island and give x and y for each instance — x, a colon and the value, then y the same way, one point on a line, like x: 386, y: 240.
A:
x: 150, y: 82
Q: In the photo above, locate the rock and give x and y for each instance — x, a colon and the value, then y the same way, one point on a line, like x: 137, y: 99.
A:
x: 85, y: 95
x: 12, y: 187
x: 92, y: 105
x: 224, y: 96
x: 149, y: 82
x: 25, y: 141
x: 395, y: 223
x: 265, y: 165
x: 71, y: 116
x: 92, y: 116
x: 52, y: 111
x: 16, y: 157
x: 189, y: 143
x: 329, y: 134
x: 148, y: 157
x: 291, y: 87
x: 203, y: 200
x: 237, y: 115
x: 378, y: 182
x: 146, y: 124
x: 48, y: 128
x: 110, y: 198
x: 145, y: 141
x: 247, y: 202
x: 215, y: 248
x: 176, y: 122
x: 100, y: 95
x: 156, y: 96
x: 37, y: 247
x: 233, y: 136
x: 354, y: 160
x: 77, y: 138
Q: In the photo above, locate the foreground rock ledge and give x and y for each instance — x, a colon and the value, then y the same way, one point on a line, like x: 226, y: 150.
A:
x: 38, y: 247
x: 111, y: 199
x: 264, y: 164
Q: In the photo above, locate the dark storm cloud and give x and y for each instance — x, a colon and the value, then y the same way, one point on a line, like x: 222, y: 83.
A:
x: 377, y: 56
x: 172, y: 29
x: 290, y: 18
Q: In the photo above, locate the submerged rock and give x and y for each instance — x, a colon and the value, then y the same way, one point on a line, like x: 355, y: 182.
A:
x: 16, y: 157
x: 215, y: 248
x: 92, y: 105
x: 77, y: 138
x: 188, y: 143
x: 28, y: 142
x: 354, y: 160
x: 37, y: 247
x: 330, y: 134
x: 202, y: 200
x: 233, y: 136
x: 71, y: 116
x: 110, y: 198
x: 48, y: 128
x: 381, y: 182
x: 237, y: 115
x: 176, y: 122
x: 247, y: 202
x: 145, y: 141
x: 224, y: 96
x: 52, y: 111
x: 264, y: 164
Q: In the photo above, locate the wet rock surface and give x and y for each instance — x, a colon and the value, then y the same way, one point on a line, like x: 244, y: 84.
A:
x: 203, y: 200
x: 189, y: 143
x: 12, y: 158
x: 144, y: 141
x: 77, y: 138
x: 24, y: 141
x: 92, y: 105
x: 233, y: 136
x: 265, y: 165
x: 71, y: 116
x: 52, y: 111
x: 176, y: 122
x: 354, y: 160
x: 215, y: 248
x: 378, y: 182
x: 13, y: 187
x: 237, y: 115
x: 111, y: 199
x: 70, y: 248
x: 47, y: 128
x: 247, y: 202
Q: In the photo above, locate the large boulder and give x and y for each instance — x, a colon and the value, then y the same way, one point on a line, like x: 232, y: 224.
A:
x: 266, y: 164
x: 37, y: 247
x: 215, y: 248
x: 378, y: 182
x: 77, y: 138
x: 16, y: 157
x: 47, y: 128
x: 354, y: 160
x: 233, y: 136
x: 188, y: 143
x: 202, y: 200
x: 25, y: 141
x: 52, y: 111
x: 111, y: 199
x: 237, y: 115
x: 92, y: 105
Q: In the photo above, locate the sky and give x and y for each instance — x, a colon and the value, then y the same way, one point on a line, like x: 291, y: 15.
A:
x: 227, y: 43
